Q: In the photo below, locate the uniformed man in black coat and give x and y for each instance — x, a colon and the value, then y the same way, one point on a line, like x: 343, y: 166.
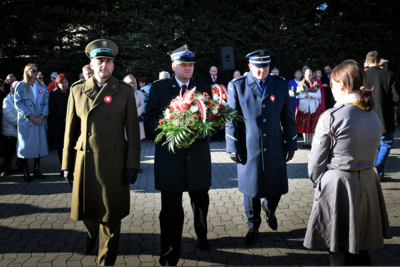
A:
x: 188, y: 170
x: 386, y: 95
x: 264, y: 143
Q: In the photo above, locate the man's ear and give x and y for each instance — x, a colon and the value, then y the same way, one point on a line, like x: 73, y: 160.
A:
x: 173, y: 67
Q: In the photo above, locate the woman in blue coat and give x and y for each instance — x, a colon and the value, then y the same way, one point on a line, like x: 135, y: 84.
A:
x: 31, y: 102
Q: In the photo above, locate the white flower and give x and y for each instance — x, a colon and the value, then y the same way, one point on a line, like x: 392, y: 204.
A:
x: 194, y: 108
x: 175, y: 122
x: 167, y: 113
x: 291, y: 93
x: 216, y: 97
x: 215, y: 111
x: 187, y: 102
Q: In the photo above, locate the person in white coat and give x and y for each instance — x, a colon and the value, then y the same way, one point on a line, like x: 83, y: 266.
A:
x: 32, y: 104
x: 9, y: 129
x: 130, y: 79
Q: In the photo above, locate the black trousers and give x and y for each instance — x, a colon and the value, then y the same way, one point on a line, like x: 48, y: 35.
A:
x: 60, y: 145
x: 10, y: 146
x: 171, y: 222
x: 345, y: 258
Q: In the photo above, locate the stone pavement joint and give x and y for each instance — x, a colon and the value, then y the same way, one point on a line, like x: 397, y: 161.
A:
x: 35, y: 227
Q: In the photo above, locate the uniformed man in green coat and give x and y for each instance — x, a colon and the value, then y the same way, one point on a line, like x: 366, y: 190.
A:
x: 102, y: 128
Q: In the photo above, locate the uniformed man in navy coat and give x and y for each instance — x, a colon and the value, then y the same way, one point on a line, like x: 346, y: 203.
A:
x: 264, y: 143
x: 186, y: 170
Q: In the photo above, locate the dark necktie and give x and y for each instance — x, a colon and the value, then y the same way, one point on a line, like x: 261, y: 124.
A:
x: 184, y: 87
x: 261, y: 86
x: 214, y: 80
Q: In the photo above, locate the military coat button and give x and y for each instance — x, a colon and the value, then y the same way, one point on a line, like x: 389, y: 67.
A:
x: 88, y: 151
x: 263, y: 106
x: 264, y: 120
x: 106, y: 152
x: 107, y: 134
x: 189, y: 157
x: 264, y: 135
x: 89, y: 134
x: 265, y: 149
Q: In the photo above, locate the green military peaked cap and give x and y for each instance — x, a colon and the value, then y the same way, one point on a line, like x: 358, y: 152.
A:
x: 101, y: 48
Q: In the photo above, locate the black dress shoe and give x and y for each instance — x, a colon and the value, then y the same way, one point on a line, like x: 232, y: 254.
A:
x: 202, y: 244
x: 90, y: 244
x: 271, y: 219
x: 251, y: 236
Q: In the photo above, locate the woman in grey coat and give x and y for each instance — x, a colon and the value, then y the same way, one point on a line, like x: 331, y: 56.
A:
x: 32, y: 104
x: 349, y: 215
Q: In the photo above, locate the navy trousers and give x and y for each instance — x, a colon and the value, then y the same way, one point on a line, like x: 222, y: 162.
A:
x: 252, y: 208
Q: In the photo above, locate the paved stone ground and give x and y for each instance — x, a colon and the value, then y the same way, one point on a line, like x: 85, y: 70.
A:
x: 35, y: 228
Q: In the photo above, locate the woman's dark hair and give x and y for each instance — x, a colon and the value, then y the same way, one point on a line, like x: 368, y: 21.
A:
x: 352, y: 74
x: 144, y: 80
x: 59, y: 79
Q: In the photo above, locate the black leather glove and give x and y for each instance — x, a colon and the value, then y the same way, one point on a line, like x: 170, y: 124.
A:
x: 289, y: 154
x: 236, y: 157
x: 69, y: 177
x: 131, y: 176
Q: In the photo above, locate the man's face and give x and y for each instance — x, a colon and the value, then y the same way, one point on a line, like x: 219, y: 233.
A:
x: 53, y: 77
x: 275, y: 72
x: 298, y: 75
x: 102, y: 67
x: 87, y: 74
x: 213, y: 71
x: 259, y: 73
x: 236, y: 74
x: 308, y: 75
x: 12, y: 79
x: 183, y: 70
x: 327, y: 70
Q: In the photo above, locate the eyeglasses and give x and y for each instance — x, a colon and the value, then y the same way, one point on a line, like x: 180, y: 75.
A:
x: 54, y: 77
x: 33, y: 71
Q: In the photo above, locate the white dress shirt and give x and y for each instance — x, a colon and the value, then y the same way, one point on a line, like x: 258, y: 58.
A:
x: 181, y: 83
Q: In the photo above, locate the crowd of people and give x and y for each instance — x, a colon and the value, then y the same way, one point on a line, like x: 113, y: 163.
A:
x: 97, y: 123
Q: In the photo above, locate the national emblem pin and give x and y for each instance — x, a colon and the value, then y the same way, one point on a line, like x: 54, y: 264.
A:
x: 272, y: 98
x: 108, y: 99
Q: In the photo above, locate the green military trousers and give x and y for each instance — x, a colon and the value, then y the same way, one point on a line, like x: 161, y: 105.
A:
x: 108, y: 239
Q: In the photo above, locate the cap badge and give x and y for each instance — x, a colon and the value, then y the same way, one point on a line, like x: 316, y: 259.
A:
x: 261, y: 53
x: 272, y: 98
x: 108, y: 99
x: 104, y: 43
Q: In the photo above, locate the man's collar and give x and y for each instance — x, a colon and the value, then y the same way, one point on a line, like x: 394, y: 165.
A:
x: 99, y: 84
x: 181, y: 83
